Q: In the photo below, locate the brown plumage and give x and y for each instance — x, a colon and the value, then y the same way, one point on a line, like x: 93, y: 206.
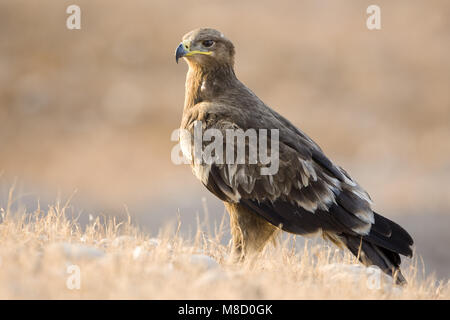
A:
x: 308, y: 193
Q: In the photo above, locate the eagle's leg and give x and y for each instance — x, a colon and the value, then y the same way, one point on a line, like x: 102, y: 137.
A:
x: 250, y: 233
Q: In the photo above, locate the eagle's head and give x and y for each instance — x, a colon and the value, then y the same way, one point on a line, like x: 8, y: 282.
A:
x: 206, y: 47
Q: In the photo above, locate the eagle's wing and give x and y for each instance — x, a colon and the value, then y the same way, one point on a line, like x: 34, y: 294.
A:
x: 308, y: 193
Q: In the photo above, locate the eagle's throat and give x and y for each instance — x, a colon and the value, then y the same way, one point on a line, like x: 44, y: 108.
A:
x: 204, y: 83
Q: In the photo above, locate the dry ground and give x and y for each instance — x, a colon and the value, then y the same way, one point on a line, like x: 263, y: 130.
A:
x: 46, y: 254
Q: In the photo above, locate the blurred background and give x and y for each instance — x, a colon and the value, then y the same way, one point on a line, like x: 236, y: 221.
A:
x: 93, y: 110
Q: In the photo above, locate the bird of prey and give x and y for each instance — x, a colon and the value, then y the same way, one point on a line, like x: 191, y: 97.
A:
x: 308, y: 194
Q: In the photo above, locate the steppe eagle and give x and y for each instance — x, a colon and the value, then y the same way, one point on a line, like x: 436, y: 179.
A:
x: 307, y: 194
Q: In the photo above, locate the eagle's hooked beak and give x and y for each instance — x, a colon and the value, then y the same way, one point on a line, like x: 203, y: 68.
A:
x: 184, y: 50
x: 181, y: 51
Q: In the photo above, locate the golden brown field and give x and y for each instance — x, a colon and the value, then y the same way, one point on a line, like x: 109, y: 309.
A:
x: 47, y: 255
x: 92, y: 110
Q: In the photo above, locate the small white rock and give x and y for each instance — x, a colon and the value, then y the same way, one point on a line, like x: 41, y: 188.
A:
x: 120, y: 241
x: 103, y: 242
x: 211, y: 277
x: 204, y: 261
x: 355, y: 272
x: 43, y: 237
x: 77, y: 251
x: 137, y: 252
x: 154, y: 242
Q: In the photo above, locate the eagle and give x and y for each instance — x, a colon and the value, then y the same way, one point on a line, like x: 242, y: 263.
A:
x: 308, y: 194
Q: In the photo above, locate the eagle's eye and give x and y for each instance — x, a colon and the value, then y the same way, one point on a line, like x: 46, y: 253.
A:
x: 207, y: 43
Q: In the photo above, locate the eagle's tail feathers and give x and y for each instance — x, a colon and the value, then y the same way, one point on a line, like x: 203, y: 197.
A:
x: 372, y: 254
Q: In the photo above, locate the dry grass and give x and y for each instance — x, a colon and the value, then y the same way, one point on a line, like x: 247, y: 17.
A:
x: 117, y: 260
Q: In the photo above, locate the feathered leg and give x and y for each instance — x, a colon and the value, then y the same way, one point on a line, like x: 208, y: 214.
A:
x: 250, y: 233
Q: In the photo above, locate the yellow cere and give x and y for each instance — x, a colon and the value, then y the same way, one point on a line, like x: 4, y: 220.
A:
x: 190, y: 53
x: 187, y: 44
